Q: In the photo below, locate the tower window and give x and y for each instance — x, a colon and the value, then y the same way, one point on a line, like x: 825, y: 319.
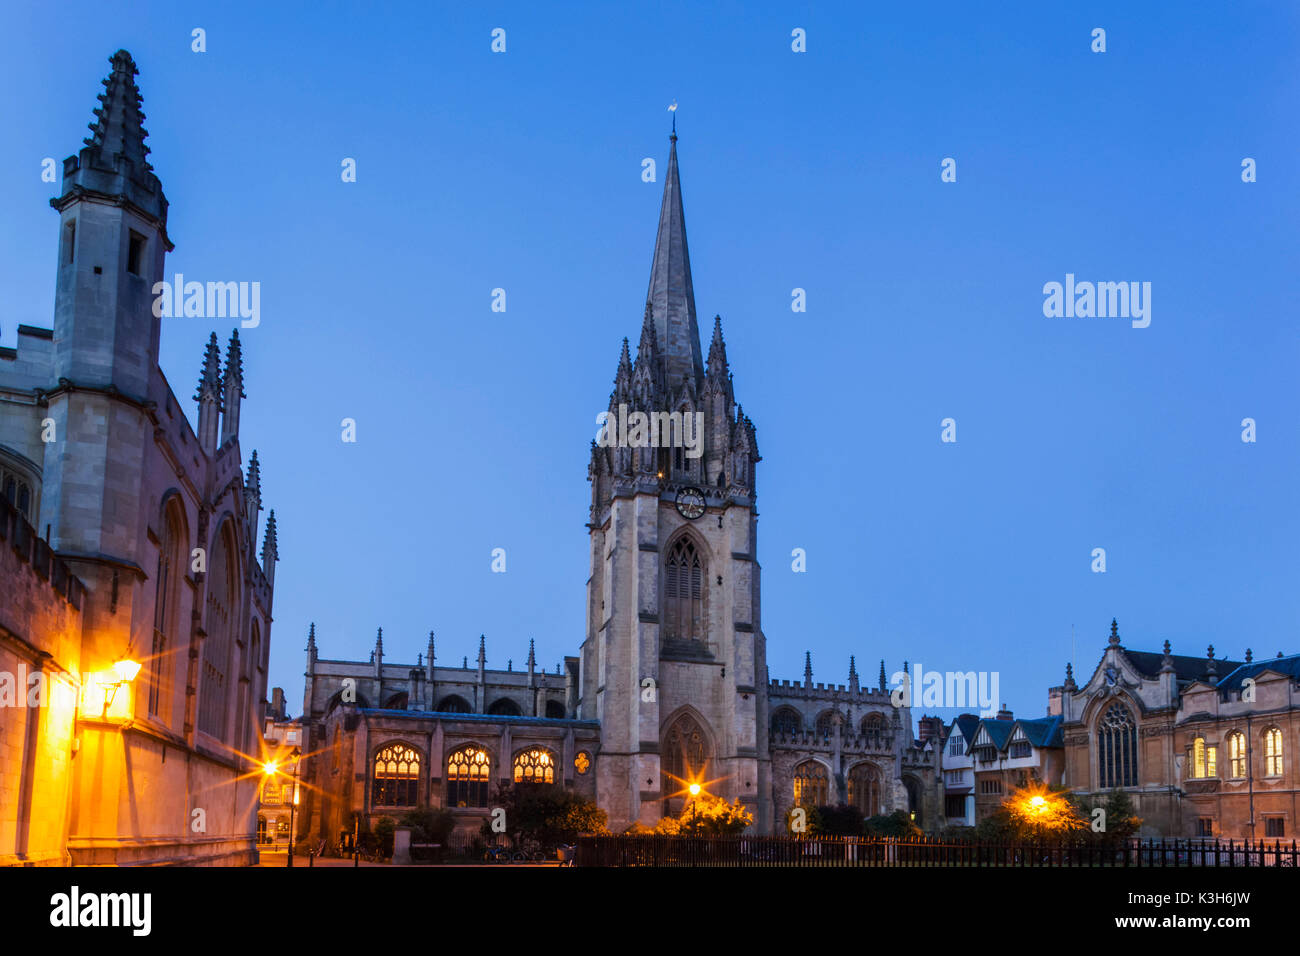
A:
x: 69, y: 241
x: 135, y: 254
x: 684, y: 592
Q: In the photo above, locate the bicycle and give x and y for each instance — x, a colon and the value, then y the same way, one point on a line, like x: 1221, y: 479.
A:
x: 496, y: 854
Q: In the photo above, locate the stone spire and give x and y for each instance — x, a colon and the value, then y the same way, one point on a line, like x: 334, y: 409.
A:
x: 232, y: 385
x: 377, y: 655
x: 209, y: 396
x: 311, y: 649
x: 807, y: 668
x: 114, y: 160
x: 671, y: 291
x: 532, y: 659
x: 853, y: 676
x: 270, y: 550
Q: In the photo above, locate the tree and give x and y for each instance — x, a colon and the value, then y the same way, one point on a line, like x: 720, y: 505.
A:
x: 548, y: 814
x: 707, y: 815
x: 1119, y: 821
x: 840, y: 820
x: 898, y: 824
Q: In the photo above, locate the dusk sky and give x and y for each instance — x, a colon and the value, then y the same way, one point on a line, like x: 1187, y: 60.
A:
x: 818, y: 170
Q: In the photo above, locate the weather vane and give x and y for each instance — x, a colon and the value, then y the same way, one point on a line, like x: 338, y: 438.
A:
x: 673, y: 109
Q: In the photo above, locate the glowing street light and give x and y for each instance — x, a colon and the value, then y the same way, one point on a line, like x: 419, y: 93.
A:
x: 271, y: 768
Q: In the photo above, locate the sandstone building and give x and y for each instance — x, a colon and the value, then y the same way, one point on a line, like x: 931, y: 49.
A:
x: 127, y: 537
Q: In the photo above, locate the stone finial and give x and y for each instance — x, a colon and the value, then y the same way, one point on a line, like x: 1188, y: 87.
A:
x: 853, y: 675
x: 510, y: 664
x: 482, y: 650
x: 882, y: 674
x: 311, y: 637
x: 1114, y: 632
x: 1069, y: 672
x: 419, y: 660
x: 807, y: 667
x: 1209, y: 652
x: 1167, y: 647
x: 464, y: 662
x: 232, y: 387
x: 270, y: 548
x: 1249, y: 656
x: 532, y: 656
x: 431, y: 657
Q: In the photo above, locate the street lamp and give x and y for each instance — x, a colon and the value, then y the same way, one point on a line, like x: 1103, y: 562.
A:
x: 271, y: 768
x: 123, y: 672
x: 695, y: 811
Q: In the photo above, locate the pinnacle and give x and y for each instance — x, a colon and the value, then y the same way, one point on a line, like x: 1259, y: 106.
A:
x: 210, y: 377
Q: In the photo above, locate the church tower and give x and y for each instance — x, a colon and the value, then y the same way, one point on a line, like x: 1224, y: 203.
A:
x: 674, y: 664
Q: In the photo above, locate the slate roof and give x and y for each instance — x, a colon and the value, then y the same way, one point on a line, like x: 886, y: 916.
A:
x: 1282, y: 665
x: 1186, y: 669
x: 999, y: 730
x: 1044, y: 731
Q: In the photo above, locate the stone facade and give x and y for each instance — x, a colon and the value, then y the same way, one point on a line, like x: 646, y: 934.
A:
x: 1163, y: 727
x: 670, y: 685
x: 143, y: 548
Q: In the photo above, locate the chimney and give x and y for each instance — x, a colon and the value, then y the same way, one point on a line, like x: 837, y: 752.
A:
x: 1005, y: 714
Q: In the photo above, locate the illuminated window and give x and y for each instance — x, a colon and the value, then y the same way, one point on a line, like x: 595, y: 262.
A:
x: 1272, y: 752
x: 468, y: 772
x: 582, y: 763
x: 1237, y: 754
x: 683, y: 757
x: 1204, y: 759
x: 1117, y: 748
x: 684, y: 592
x: 864, y: 789
x: 396, y: 780
x: 810, y: 784
x: 535, y: 765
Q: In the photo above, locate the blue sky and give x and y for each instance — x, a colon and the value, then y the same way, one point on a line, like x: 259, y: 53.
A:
x: 817, y: 170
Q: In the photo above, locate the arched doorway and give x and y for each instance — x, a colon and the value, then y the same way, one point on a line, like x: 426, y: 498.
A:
x: 684, y: 757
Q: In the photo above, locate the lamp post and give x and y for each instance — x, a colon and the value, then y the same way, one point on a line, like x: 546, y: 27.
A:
x: 695, y: 812
x: 271, y: 769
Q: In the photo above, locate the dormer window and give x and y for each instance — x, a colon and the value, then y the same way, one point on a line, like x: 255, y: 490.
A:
x: 135, y: 254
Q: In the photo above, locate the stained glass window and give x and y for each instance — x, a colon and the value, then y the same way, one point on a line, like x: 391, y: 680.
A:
x: 810, y: 784
x: 468, y: 772
x: 1117, y: 748
x: 535, y: 765
x: 396, y: 780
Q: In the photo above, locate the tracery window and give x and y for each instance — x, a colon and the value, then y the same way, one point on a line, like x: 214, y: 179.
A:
x: 1272, y: 752
x: 535, y: 765
x: 872, y: 725
x: 811, y: 784
x: 1117, y: 748
x: 683, y: 759
x: 164, y: 598
x: 864, y: 789
x: 396, y: 779
x: 824, y: 724
x: 684, y: 592
x: 222, y: 612
x: 787, y: 722
x: 1237, y: 754
x: 468, y: 772
x: 453, y: 705
x: 504, y: 707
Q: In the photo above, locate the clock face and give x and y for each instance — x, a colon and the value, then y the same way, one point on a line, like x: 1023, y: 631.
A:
x: 690, y: 503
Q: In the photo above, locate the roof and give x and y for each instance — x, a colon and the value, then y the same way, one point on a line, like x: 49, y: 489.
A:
x: 481, y: 718
x: 999, y: 730
x: 968, y: 724
x: 1290, y: 666
x: 1044, y: 731
x: 1186, y: 669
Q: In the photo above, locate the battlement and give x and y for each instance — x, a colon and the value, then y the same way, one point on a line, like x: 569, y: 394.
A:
x: 797, y: 689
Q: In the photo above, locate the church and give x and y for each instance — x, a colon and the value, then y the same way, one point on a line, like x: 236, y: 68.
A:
x: 670, y: 686
x: 135, y: 613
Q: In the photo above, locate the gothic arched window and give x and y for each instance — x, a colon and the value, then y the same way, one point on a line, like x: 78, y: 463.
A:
x: 396, y: 778
x: 468, y: 772
x: 811, y: 783
x: 555, y: 710
x: 165, y: 594
x: 1117, y: 748
x: 1237, y: 754
x: 786, y: 721
x: 504, y: 707
x: 683, y: 758
x: 453, y: 705
x: 1272, y: 752
x: 824, y: 724
x: 534, y: 765
x: 684, y: 577
x: 864, y: 789
x: 222, y: 624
